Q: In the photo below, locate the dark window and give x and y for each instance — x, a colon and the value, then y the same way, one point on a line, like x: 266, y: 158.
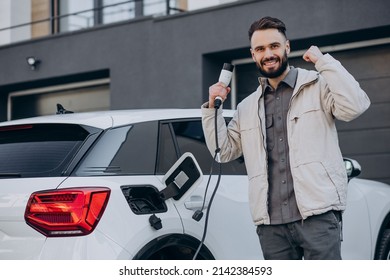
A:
x: 167, y: 154
x: 178, y: 137
x: 123, y: 151
x: 39, y: 150
x: 246, y: 80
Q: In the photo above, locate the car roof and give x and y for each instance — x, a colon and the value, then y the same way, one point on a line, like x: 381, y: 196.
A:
x: 114, y: 118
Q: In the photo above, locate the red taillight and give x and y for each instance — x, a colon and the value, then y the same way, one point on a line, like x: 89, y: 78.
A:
x: 66, y: 212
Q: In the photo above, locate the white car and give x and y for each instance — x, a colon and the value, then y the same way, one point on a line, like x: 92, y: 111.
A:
x: 126, y: 185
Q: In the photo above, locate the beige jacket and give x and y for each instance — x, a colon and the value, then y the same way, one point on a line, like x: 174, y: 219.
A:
x: 319, y: 176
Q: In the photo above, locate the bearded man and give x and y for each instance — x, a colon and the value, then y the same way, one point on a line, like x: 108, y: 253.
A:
x: 286, y: 132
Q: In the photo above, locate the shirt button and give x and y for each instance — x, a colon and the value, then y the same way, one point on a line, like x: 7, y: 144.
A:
x: 281, y: 139
x: 283, y: 182
x: 282, y: 160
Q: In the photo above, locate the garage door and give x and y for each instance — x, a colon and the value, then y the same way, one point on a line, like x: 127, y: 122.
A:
x: 78, y: 97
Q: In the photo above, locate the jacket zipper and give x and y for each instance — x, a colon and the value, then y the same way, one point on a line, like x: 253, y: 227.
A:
x: 288, y: 134
x: 263, y: 144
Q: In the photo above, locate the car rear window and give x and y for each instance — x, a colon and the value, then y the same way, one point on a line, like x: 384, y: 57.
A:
x: 38, y: 150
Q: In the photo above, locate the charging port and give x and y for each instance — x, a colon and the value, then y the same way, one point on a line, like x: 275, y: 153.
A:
x: 144, y: 199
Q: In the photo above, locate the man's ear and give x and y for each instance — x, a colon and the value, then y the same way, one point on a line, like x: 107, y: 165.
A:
x: 288, y: 47
x: 253, y: 55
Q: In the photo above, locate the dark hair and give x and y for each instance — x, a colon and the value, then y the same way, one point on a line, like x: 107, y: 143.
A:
x: 267, y: 23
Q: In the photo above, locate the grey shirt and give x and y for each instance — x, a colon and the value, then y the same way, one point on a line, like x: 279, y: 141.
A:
x: 282, y: 205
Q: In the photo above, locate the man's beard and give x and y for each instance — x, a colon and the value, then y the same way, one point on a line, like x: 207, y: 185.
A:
x: 273, y: 73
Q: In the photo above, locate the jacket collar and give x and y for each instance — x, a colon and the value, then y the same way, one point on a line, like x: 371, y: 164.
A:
x: 303, y: 77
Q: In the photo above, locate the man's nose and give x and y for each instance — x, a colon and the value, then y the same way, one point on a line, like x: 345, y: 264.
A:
x: 268, y: 52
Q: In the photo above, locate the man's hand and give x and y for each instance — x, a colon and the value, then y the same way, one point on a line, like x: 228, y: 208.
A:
x: 218, y: 89
x: 313, y: 54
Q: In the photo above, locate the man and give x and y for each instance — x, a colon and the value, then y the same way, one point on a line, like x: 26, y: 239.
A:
x: 286, y: 132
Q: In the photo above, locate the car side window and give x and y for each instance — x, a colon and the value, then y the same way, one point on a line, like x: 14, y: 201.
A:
x: 178, y: 137
x: 123, y: 151
x: 166, y: 153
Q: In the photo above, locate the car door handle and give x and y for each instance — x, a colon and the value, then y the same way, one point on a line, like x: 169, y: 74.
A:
x: 195, y: 203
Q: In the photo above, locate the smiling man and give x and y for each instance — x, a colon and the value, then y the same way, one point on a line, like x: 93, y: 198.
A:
x: 286, y: 132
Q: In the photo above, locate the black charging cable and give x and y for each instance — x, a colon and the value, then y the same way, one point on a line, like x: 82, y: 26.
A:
x: 199, y: 213
x: 224, y: 78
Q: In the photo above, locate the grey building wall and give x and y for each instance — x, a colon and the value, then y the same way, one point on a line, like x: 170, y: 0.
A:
x: 154, y: 62
x: 171, y: 61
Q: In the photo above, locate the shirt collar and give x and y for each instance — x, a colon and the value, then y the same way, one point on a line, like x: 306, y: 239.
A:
x: 290, y: 79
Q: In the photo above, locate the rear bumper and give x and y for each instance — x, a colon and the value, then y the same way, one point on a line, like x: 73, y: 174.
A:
x: 95, y: 246
x: 35, y: 246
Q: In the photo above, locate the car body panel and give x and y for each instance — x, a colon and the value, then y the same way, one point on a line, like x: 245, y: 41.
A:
x: 356, y: 225
x: 229, y: 222
x: 377, y: 198
x: 135, y: 230
x: 96, y: 247
x: 17, y: 239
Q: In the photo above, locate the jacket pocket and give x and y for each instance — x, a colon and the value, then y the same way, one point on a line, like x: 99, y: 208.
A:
x: 253, y: 151
x: 303, y: 112
x: 307, y: 101
x: 339, y: 178
x: 315, y: 187
x: 310, y: 131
